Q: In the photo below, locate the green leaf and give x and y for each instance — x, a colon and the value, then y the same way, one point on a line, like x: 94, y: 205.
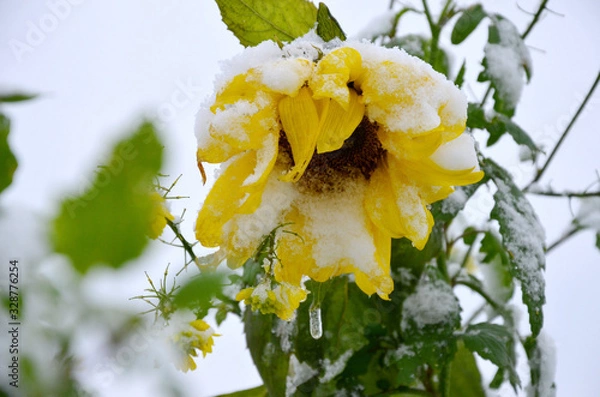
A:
x: 109, y: 222
x: 598, y: 240
x: 328, y: 27
x: 197, y: 293
x: 497, y: 126
x: 523, y: 239
x: 460, y: 76
x: 259, y: 391
x: 8, y: 161
x: 272, y: 362
x: 16, y: 97
x: 255, y: 21
x: 407, y: 360
x: 465, y: 378
x: 467, y: 23
x: 495, y: 343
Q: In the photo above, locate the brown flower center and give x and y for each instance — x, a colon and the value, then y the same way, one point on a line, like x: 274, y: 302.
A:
x: 327, y: 172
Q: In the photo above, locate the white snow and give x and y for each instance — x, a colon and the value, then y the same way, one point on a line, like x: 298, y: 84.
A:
x: 547, y: 365
x: 333, y: 369
x: 431, y: 303
x: 286, y: 76
x: 505, y: 62
x: 458, y: 154
x: 284, y: 330
x: 455, y: 202
x: 423, y: 98
x: 298, y: 373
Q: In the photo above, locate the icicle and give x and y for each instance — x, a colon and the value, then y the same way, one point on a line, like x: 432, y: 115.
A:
x: 316, y: 325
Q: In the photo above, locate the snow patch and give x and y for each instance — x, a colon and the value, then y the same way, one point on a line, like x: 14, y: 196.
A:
x: 298, y: 373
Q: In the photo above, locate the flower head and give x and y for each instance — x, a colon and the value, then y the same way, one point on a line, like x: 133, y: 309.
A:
x: 349, y: 145
x: 197, y: 336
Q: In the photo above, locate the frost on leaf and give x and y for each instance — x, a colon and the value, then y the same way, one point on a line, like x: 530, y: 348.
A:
x: 523, y: 238
x: 507, y: 64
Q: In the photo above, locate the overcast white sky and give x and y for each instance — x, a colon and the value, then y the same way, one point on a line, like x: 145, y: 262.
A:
x: 100, y: 66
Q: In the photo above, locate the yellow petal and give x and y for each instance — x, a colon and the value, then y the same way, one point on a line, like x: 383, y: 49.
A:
x: 338, y: 124
x: 396, y: 207
x: 404, y: 146
x: 238, y: 189
x: 242, y: 87
x: 334, y: 71
x: 429, y: 173
x: 380, y: 280
x: 300, y: 122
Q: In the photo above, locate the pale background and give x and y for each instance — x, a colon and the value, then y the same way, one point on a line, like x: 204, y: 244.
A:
x: 105, y: 64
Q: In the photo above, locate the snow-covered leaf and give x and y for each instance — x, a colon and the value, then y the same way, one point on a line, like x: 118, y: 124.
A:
x: 430, y: 315
x: 542, y: 363
x: 467, y: 23
x: 8, y: 162
x: 507, y: 64
x: 495, y: 343
x: 109, y: 222
x: 328, y: 27
x: 255, y: 21
x: 465, y: 379
x: 523, y: 238
x: 407, y: 361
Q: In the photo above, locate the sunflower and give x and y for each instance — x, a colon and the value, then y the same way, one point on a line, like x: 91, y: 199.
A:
x: 348, y: 145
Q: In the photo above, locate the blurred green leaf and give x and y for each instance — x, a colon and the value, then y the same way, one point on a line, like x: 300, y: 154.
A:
x: 465, y: 378
x: 259, y: 391
x: 598, y: 240
x: 467, y: 23
x: 109, y: 222
x: 496, y: 269
x: 197, y: 293
x: 460, y: 76
x: 495, y: 343
x: 523, y: 239
x: 328, y: 27
x: 8, y: 161
x: 16, y: 97
x: 255, y: 21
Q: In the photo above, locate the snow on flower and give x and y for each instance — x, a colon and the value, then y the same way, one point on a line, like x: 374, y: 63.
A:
x: 348, y: 145
x: 191, y: 337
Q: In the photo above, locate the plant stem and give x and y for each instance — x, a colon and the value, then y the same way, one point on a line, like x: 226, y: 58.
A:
x: 564, y: 134
x: 535, y: 19
x: 564, y: 238
x: 186, y: 245
x: 564, y: 194
x: 481, y: 292
x: 445, y: 380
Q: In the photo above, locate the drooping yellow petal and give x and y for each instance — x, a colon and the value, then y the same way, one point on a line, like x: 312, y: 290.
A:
x: 334, y: 71
x: 337, y: 124
x: 395, y: 206
x: 403, y: 146
x: 428, y: 172
x: 300, y: 122
x: 238, y: 189
x: 380, y: 280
